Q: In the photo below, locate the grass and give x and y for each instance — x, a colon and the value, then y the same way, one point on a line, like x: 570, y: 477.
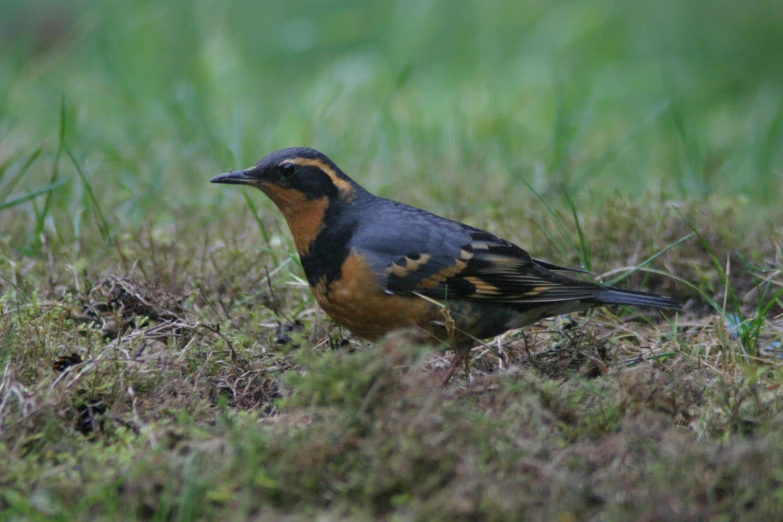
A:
x: 197, y: 379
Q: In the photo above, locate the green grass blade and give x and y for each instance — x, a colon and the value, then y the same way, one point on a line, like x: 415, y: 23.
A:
x: 103, y: 225
x: 32, y: 195
x: 558, y: 222
x: 7, y: 163
x: 552, y: 239
x: 261, y: 226
x: 650, y: 259
x: 41, y: 216
x: 732, y: 295
x: 584, y: 247
x: 25, y: 167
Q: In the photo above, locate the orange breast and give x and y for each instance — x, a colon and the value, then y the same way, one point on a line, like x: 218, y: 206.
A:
x: 357, y: 302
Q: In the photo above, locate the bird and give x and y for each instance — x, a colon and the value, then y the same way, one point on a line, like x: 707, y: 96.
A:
x: 375, y: 265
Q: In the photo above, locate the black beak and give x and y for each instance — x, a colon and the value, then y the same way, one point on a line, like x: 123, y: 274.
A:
x: 235, y: 177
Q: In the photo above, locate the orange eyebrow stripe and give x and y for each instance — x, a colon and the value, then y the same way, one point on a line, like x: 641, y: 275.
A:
x: 343, y: 186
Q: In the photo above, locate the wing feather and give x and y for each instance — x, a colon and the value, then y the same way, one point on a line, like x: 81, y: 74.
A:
x: 454, y: 261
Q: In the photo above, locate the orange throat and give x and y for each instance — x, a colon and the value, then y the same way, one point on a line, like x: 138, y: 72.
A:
x: 305, y: 217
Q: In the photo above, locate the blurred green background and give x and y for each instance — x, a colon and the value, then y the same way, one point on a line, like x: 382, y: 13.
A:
x: 443, y: 104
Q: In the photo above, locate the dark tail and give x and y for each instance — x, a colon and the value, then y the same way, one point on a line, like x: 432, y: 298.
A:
x: 632, y: 298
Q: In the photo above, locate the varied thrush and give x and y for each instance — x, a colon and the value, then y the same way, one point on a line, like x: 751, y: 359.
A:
x: 376, y: 265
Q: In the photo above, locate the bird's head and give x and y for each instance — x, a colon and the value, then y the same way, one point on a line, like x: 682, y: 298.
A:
x: 303, y: 184
x: 293, y: 176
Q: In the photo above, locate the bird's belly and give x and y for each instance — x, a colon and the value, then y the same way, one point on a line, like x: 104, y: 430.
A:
x: 357, y: 302
x: 370, y: 315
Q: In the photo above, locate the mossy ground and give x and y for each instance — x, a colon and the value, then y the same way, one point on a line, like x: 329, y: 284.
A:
x: 208, y: 385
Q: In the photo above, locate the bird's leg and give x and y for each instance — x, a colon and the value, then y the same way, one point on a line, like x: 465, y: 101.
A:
x: 452, y: 368
x: 461, y: 355
x: 458, y: 355
x: 466, y: 362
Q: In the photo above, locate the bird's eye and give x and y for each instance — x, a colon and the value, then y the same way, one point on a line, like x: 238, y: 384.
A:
x: 287, y: 169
